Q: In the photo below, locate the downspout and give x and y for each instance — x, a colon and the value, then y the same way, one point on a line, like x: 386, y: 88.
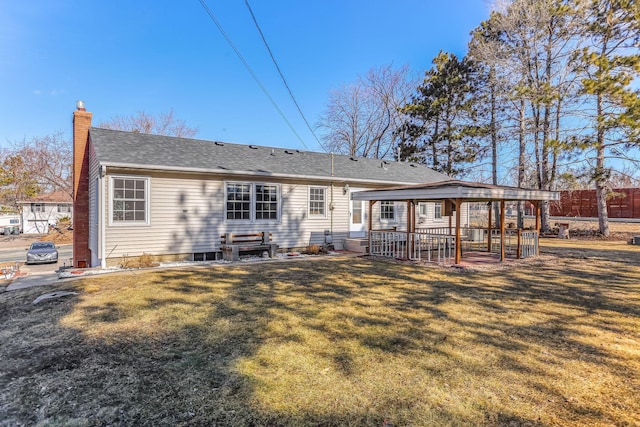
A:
x: 101, y: 237
x: 331, y: 206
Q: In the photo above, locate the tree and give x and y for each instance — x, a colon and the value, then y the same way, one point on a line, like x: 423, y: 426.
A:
x: 162, y: 124
x: 361, y: 118
x: 527, y: 45
x: 608, y: 67
x: 441, y: 127
x: 48, y: 161
x: 16, y: 182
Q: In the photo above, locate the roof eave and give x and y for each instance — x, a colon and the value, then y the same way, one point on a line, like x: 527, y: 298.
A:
x: 467, y: 193
x: 163, y: 168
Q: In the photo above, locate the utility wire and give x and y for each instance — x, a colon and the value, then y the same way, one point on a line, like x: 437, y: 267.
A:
x: 249, y: 69
x: 264, y: 40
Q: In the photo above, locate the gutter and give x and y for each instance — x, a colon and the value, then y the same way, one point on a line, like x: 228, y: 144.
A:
x: 161, y: 168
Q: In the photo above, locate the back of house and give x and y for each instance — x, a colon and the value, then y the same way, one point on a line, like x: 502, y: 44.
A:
x: 174, y: 198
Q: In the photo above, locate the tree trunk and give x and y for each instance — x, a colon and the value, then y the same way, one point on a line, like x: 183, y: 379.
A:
x: 521, y: 157
x: 600, y: 174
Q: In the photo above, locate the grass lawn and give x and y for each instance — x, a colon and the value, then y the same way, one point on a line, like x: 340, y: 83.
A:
x: 333, y: 341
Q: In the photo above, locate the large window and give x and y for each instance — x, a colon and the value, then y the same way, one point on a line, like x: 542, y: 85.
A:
x: 266, y: 202
x: 129, y: 200
x: 387, y: 211
x: 317, y: 201
x: 238, y: 201
x: 252, y: 202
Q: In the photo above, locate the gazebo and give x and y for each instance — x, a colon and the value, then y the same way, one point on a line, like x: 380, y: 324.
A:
x: 411, y: 242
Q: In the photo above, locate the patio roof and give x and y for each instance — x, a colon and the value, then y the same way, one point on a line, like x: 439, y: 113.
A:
x: 454, y: 189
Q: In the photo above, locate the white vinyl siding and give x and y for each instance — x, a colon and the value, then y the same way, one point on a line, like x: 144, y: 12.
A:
x: 188, y: 215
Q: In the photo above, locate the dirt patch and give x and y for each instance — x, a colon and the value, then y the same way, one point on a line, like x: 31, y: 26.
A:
x: 59, y: 235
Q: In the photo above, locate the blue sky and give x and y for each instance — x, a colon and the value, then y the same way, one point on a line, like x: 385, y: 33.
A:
x: 123, y: 56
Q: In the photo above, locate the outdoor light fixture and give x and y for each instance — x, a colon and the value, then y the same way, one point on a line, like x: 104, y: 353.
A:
x: 345, y: 190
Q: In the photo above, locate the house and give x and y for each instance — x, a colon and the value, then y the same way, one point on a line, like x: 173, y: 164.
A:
x: 9, y: 224
x: 39, y: 213
x: 174, y: 198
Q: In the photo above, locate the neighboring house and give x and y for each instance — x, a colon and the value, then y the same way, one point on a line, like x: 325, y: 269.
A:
x: 9, y: 224
x: 40, y: 212
x: 174, y: 198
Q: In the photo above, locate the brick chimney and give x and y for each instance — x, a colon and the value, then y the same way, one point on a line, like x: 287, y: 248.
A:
x: 81, y: 125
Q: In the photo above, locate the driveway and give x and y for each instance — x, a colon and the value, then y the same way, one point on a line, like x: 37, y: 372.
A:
x: 12, y: 249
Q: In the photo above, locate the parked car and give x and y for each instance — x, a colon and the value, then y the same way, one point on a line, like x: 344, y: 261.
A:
x: 42, y: 252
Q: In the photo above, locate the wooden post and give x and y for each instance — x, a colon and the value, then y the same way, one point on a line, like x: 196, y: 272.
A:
x: 409, y: 221
x: 370, y: 225
x: 489, y: 228
x: 458, y: 242
x: 502, y: 230
x: 519, y: 249
x: 538, y: 214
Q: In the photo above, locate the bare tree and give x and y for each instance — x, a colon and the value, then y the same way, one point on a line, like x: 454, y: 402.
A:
x: 48, y: 160
x: 36, y: 166
x: 361, y: 118
x: 162, y: 124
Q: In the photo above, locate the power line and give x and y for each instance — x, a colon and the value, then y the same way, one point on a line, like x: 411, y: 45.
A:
x: 249, y: 69
x: 264, y: 40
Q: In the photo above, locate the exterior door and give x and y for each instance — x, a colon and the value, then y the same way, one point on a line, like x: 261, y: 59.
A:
x: 357, y: 219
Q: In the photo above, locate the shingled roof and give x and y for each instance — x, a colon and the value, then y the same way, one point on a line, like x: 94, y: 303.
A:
x: 157, y: 152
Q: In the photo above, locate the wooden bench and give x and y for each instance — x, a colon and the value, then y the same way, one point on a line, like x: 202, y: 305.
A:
x: 233, y: 244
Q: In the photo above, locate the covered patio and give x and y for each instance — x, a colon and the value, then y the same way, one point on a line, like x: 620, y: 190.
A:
x: 444, y: 245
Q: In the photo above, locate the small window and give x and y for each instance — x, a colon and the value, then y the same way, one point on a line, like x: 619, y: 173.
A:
x: 129, y: 200
x: 437, y: 210
x: 37, y: 207
x: 422, y: 209
x: 64, y: 208
x: 317, y: 201
x: 387, y: 211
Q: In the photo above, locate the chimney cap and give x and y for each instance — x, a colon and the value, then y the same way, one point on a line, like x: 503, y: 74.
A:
x: 80, y: 105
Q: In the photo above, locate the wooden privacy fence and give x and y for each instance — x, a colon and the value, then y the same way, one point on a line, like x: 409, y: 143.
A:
x: 625, y: 203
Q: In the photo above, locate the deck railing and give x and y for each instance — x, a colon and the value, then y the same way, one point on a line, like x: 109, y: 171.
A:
x: 437, y: 244
x: 432, y: 247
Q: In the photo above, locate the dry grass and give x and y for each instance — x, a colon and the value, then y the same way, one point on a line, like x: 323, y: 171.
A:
x: 334, y: 341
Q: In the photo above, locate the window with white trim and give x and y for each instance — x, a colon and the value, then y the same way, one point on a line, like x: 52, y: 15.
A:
x: 387, y: 211
x: 317, y: 201
x: 422, y: 209
x: 129, y: 200
x: 245, y: 201
x: 64, y: 208
x: 437, y: 210
x: 37, y: 207
x: 266, y: 202
x: 238, y: 201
